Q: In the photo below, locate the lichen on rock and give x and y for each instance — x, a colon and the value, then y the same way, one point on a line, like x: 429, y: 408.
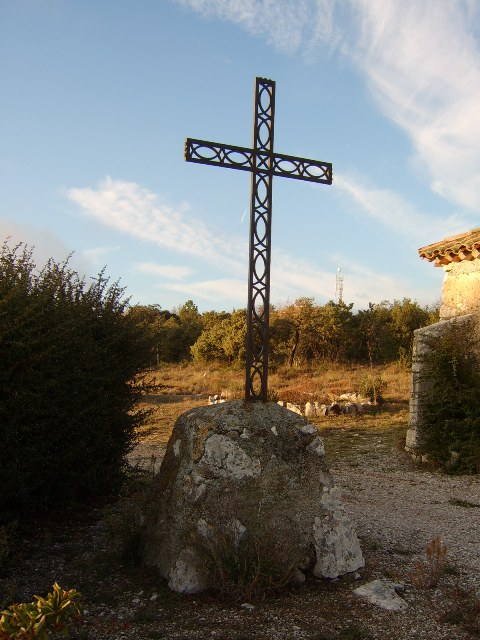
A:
x: 244, y: 483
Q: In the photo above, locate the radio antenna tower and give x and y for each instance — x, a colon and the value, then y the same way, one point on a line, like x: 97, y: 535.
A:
x: 339, y: 286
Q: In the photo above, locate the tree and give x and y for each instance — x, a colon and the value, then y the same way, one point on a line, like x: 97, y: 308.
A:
x: 376, y: 337
x: 69, y: 357
x: 313, y: 332
x: 223, y: 341
x: 172, y: 333
x: 406, y: 317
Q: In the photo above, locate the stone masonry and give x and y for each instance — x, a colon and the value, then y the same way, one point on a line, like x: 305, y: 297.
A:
x: 459, y: 256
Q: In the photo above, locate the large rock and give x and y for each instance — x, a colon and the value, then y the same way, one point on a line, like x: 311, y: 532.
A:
x: 244, y: 477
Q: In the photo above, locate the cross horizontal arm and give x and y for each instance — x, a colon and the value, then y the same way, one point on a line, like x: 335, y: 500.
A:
x: 301, y: 168
x: 222, y: 155
x: 232, y: 157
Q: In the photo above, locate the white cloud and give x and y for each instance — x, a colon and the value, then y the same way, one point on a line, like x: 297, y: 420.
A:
x: 294, y: 278
x: 163, y: 270
x: 421, y: 59
x: 362, y: 285
x: 44, y: 243
x: 97, y: 255
x: 231, y: 290
x: 284, y: 24
x: 132, y: 209
x: 396, y: 213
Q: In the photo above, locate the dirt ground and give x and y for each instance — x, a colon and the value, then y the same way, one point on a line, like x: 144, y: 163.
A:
x: 397, y: 510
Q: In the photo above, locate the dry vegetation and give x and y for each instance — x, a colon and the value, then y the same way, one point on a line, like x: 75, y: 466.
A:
x: 95, y: 552
x: 180, y: 388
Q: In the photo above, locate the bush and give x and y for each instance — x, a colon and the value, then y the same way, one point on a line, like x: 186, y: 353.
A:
x: 27, y: 621
x: 69, y: 355
x: 372, y: 387
x: 451, y: 418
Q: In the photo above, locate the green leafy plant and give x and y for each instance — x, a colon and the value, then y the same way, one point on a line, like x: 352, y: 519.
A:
x: 372, y: 387
x: 451, y: 413
x: 35, y: 620
x: 71, y: 358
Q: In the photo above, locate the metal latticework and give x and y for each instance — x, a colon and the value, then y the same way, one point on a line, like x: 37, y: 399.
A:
x: 263, y: 163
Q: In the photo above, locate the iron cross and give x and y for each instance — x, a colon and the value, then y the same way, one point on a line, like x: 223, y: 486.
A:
x: 263, y: 164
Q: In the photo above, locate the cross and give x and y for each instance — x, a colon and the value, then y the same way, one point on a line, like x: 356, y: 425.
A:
x: 263, y: 164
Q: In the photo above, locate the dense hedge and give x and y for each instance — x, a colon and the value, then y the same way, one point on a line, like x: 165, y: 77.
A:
x: 68, y: 355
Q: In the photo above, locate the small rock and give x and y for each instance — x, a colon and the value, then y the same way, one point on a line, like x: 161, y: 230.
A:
x: 309, y: 429
x: 382, y: 593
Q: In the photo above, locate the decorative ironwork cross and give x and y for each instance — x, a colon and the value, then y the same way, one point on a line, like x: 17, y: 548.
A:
x: 263, y: 163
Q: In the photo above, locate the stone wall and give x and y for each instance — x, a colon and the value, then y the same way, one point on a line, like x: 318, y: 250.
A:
x: 423, y: 338
x: 461, y: 304
x: 461, y: 289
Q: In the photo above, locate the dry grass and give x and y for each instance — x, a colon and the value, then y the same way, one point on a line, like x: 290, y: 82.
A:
x: 125, y: 601
x: 293, y: 384
x: 182, y: 387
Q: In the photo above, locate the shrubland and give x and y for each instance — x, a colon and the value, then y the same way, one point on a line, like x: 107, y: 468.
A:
x: 73, y: 357
x: 70, y: 357
x: 301, y: 334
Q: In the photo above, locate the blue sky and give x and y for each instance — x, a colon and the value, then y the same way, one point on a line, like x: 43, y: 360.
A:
x: 99, y: 96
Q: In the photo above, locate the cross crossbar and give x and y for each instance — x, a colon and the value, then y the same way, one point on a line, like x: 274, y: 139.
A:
x: 232, y: 157
x: 263, y: 164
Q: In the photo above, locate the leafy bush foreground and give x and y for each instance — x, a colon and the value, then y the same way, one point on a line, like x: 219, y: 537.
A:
x: 68, y: 355
x: 35, y: 620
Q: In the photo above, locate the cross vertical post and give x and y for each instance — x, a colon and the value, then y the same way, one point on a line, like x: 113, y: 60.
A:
x: 263, y: 164
x: 258, y: 305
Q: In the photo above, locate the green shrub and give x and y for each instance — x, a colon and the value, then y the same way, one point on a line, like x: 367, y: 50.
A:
x: 451, y: 417
x: 34, y: 620
x: 69, y: 355
x: 372, y: 388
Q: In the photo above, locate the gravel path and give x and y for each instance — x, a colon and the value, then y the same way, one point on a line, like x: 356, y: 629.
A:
x: 397, y: 509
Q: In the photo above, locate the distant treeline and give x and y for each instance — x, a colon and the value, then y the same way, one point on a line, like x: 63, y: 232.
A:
x: 300, y: 333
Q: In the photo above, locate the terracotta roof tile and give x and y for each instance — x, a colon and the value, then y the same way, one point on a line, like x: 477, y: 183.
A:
x: 465, y: 246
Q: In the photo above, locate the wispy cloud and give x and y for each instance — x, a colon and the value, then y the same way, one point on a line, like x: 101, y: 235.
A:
x: 363, y: 284
x: 294, y: 278
x: 44, y: 244
x: 174, y: 272
x: 396, y: 213
x: 132, y: 209
x: 284, y: 24
x: 421, y: 60
x: 230, y: 290
x: 97, y: 255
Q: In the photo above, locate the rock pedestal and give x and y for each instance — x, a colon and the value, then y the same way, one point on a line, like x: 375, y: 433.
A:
x: 245, y: 477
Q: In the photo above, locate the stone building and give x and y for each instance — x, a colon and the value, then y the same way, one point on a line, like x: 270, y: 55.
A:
x: 459, y: 256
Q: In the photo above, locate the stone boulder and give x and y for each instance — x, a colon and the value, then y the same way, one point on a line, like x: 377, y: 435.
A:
x: 239, y: 477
